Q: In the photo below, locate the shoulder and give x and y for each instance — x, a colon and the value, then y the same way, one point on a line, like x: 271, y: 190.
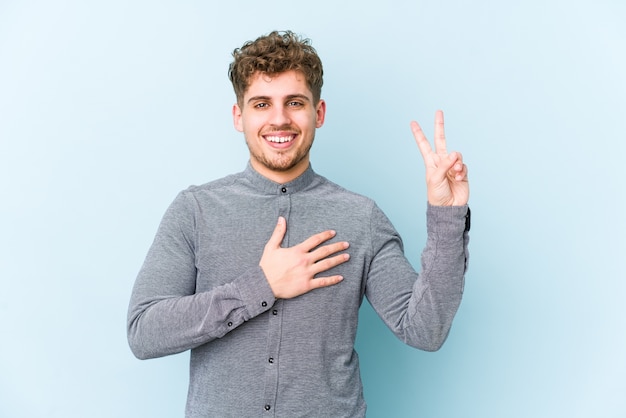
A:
x: 339, y: 193
x: 213, y: 185
x: 350, y: 206
x: 202, y: 194
x: 194, y: 197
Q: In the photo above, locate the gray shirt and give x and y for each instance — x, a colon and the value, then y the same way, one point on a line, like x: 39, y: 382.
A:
x: 201, y: 289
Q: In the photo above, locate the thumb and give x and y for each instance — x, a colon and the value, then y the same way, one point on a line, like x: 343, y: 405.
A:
x: 279, y: 233
x: 446, y: 163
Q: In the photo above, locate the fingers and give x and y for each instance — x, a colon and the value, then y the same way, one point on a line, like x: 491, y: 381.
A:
x: 310, y: 243
x: 440, y: 136
x: 292, y: 271
x: 420, y: 140
x: 462, y: 175
x: 279, y: 233
x: 324, y: 282
x: 320, y: 257
x: 317, y: 239
x: 328, y: 250
x: 459, y: 172
x: 454, y: 162
x: 456, y: 170
x: 327, y: 262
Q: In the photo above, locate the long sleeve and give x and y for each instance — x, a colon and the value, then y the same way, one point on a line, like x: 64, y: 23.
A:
x: 166, y: 315
x: 419, y: 308
x: 201, y: 289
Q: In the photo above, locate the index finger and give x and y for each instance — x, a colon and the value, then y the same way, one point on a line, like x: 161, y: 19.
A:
x: 440, y: 136
x: 317, y: 239
x: 420, y: 140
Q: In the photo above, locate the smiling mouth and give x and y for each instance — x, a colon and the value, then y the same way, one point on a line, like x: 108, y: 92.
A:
x: 276, y: 139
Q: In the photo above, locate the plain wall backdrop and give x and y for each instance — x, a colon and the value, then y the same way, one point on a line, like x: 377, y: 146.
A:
x: 109, y: 108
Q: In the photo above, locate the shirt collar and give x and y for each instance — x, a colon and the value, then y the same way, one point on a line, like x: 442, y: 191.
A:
x: 263, y: 183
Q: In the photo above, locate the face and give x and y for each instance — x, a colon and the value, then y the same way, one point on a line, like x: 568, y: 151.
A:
x: 278, y: 119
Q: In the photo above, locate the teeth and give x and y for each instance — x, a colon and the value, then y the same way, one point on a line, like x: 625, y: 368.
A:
x: 279, y: 139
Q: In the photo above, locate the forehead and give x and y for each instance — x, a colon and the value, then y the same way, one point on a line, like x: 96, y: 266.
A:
x: 277, y: 85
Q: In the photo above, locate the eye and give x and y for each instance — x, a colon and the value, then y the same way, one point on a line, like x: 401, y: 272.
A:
x: 261, y: 105
x: 295, y: 103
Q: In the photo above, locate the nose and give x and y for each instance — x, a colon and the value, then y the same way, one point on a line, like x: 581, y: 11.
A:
x: 279, y: 116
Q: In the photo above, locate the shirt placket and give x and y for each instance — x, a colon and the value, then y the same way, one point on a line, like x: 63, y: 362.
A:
x: 275, y: 319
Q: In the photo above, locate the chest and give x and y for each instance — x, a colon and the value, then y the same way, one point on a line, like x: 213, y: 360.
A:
x: 230, y: 237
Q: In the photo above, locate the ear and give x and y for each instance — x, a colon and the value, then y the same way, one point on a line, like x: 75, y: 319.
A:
x: 237, y: 121
x: 320, y: 113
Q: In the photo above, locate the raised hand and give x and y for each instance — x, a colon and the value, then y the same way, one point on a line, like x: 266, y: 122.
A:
x: 290, y: 271
x: 446, y: 175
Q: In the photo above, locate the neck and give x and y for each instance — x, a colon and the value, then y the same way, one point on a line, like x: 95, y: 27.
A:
x: 281, y: 177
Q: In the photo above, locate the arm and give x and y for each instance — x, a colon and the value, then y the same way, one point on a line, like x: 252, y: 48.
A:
x: 420, y: 309
x: 167, y: 316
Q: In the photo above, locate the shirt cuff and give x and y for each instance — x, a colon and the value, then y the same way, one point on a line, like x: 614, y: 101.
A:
x: 448, y: 220
x: 255, y: 291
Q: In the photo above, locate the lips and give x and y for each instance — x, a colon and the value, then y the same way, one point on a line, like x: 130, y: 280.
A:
x: 279, y: 139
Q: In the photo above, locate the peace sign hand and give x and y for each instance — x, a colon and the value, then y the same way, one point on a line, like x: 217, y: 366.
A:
x: 446, y: 175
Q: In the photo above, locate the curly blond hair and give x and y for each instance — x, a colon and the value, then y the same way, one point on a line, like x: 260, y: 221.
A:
x: 273, y: 54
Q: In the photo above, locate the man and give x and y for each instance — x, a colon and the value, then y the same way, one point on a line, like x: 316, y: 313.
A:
x: 261, y: 273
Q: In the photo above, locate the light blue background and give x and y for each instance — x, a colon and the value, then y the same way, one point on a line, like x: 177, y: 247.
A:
x: 109, y: 108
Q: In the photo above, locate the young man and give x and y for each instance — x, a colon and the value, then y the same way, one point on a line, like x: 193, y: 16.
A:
x: 261, y: 274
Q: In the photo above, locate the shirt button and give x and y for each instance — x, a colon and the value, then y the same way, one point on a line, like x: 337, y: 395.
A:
x: 284, y: 190
x: 274, y: 312
x: 267, y: 407
x: 230, y: 324
x: 264, y: 304
x: 271, y: 360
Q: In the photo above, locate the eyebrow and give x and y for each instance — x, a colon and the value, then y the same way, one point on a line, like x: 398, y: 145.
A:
x: 288, y: 97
